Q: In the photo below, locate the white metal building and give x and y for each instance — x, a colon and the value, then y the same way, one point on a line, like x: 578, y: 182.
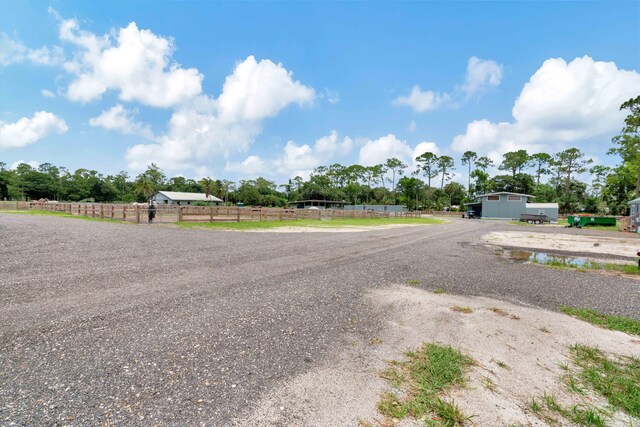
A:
x: 181, y: 198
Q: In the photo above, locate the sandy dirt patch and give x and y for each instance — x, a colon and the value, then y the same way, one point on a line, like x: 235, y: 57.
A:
x: 345, y: 229
x: 532, y: 343
x: 602, y: 245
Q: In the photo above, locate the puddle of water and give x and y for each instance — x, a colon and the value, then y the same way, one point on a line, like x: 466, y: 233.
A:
x: 545, y: 258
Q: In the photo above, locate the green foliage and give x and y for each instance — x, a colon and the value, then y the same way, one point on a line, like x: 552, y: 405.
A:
x: 515, y: 161
x: 424, y: 376
x: 616, y: 378
x: 615, y: 323
x: 541, y: 162
x: 518, y: 183
x: 410, y: 189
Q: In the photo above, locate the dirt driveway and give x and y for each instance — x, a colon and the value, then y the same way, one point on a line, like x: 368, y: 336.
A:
x: 105, y: 323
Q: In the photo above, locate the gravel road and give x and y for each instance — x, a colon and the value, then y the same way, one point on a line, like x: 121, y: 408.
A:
x: 116, y: 324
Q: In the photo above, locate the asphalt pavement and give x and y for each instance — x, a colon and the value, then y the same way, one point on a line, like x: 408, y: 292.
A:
x: 120, y: 324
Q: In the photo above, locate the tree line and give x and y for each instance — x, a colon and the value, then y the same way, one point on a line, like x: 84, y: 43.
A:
x: 550, y: 177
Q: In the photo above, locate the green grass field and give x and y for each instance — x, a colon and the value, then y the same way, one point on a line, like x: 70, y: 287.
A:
x: 60, y: 215
x: 335, y: 223
x: 259, y: 225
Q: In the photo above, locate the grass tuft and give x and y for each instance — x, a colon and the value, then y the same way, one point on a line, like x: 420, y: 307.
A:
x: 616, y: 378
x: 413, y: 282
x: 502, y: 364
x: 615, y: 323
x: 462, y: 309
x: 424, y: 376
x: 375, y: 341
x: 580, y: 414
x: 439, y: 291
x: 489, y: 384
x: 499, y: 311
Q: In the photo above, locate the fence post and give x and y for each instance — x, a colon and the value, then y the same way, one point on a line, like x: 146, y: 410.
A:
x: 101, y: 211
x: 179, y: 213
x: 210, y: 213
x: 238, y: 213
x: 124, y: 213
x: 137, y: 214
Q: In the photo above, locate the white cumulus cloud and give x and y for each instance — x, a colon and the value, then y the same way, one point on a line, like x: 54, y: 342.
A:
x: 258, y: 90
x: 119, y: 119
x: 136, y: 63
x: 47, y: 93
x: 377, y: 151
x: 421, y: 101
x: 206, y: 128
x: 13, y: 51
x: 561, y: 103
x: 296, y: 159
x: 481, y: 74
x: 33, y: 163
x: 29, y: 130
x: 252, y: 165
x: 302, y: 159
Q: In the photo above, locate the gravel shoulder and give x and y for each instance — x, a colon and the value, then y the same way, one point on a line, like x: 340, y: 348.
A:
x: 105, y: 323
x: 601, y: 245
x: 518, y: 350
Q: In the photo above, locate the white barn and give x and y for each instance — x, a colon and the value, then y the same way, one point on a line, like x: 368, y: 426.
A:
x: 181, y: 198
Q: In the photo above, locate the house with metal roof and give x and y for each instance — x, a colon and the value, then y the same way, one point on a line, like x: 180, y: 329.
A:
x: 506, y: 205
x: 182, y: 198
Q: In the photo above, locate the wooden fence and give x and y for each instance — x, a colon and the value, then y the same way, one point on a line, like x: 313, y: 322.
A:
x: 168, y: 214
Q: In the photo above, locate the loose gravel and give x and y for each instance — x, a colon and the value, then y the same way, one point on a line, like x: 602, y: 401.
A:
x: 117, y: 324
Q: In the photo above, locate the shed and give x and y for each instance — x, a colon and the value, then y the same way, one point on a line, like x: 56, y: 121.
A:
x: 507, y: 205
x: 182, y: 198
x: 383, y: 208
x: 548, y: 209
x: 634, y: 215
x: 319, y: 204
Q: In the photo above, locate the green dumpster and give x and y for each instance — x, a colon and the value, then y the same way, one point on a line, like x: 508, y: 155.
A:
x: 582, y: 221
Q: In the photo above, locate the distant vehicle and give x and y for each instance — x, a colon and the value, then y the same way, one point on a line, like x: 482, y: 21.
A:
x: 534, y: 219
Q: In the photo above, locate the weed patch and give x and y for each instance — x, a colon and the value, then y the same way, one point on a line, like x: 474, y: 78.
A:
x: 414, y: 282
x: 421, y: 379
x: 583, y: 414
x: 502, y: 364
x: 439, y: 291
x: 462, y: 309
x: 616, y: 378
x: 615, y: 323
x: 499, y: 311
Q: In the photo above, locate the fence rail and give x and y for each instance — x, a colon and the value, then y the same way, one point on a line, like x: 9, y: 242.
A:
x: 168, y: 214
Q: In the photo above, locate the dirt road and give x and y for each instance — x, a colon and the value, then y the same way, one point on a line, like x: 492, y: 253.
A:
x: 140, y: 325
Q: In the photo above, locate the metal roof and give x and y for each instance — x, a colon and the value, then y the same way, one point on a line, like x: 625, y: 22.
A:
x: 191, y: 197
x: 321, y: 201
x: 504, y: 192
x: 542, y: 205
x: 634, y: 201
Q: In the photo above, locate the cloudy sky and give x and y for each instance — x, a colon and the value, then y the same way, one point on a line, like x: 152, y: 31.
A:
x: 237, y: 90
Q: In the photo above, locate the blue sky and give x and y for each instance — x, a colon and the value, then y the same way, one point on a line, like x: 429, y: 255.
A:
x: 240, y: 89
